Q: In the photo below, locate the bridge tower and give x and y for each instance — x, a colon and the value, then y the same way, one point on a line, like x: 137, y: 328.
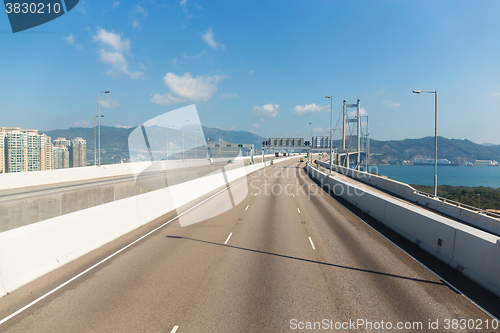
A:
x: 356, y: 120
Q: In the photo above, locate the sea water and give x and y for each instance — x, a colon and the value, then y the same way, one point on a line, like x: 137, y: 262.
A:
x: 487, y: 176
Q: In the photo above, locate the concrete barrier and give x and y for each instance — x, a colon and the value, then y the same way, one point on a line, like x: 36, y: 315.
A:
x: 477, y: 255
x: 31, y: 251
x: 10, y: 181
x: 430, y: 231
x: 471, y: 251
x: 407, y: 192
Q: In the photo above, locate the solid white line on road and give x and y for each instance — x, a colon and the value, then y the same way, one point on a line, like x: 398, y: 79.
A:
x: 227, y: 240
x: 312, y: 244
x: 298, y: 209
x: 110, y: 256
x: 174, y: 329
x: 247, y: 207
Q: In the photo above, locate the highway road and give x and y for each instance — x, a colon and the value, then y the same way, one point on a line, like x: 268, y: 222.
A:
x: 286, y: 257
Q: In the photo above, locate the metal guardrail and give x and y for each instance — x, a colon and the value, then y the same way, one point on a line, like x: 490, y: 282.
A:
x: 459, y: 204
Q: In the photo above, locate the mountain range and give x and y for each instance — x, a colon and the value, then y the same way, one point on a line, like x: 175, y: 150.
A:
x: 114, y: 145
x: 114, y: 140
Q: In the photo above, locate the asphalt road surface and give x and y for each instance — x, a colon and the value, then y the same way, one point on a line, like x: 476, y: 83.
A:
x: 286, y: 257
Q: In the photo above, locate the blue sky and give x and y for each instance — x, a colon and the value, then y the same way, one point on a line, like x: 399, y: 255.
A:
x: 260, y: 66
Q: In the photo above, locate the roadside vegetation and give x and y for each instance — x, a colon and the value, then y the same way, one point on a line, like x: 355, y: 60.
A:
x: 480, y: 197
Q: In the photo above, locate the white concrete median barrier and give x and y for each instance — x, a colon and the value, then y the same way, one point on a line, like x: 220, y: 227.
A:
x: 31, y: 251
x: 474, y: 252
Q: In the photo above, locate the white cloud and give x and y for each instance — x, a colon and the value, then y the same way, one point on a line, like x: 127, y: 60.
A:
x: 186, y: 87
x: 362, y: 112
x: 183, y: 5
x: 116, y: 60
x: 303, y: 109
x: 116, y: 4
x: 140, y: 10
x: 208, y: 37
x: 166, y: 99
x: 256, y: 125
x: 174, y: 63
x: 229, y: 95
x: 123, y: 126
x: 81, y: 7
x: 496, y: 94
x: 81, y: 123
x: 113, y: 53
x: 112, y: 40
x: 137, y: 15
x: 199, y: 88
x: 109, y: 103
x: 71, y: 40
x: 391, y: 104
x: 136, y: 24
x: 266, y: 111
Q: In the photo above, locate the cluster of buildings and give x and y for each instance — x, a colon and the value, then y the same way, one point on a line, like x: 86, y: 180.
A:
x: 23, y: 150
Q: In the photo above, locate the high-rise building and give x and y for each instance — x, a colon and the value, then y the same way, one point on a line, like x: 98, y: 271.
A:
x: 62, y: 142
x: 46, y: 153
x: 2, y: 152
x: 78, y: 153
x: 33, y: 146
x: 61, y: 157
x: 16, y: 145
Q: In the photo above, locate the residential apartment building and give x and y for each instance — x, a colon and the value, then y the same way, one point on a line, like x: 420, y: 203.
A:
x: 16, y: 147
x: 61, y: 157
x: 23, y: 150
x: 78, y: 153
x: 46, y: 153
x: 2, y: 152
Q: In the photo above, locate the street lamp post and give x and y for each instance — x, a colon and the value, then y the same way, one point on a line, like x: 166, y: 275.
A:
x: 435, y: 132
x: 95, y: 142
x: 310, y: 159
x: 331, y: 126
x: 99, y: 120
